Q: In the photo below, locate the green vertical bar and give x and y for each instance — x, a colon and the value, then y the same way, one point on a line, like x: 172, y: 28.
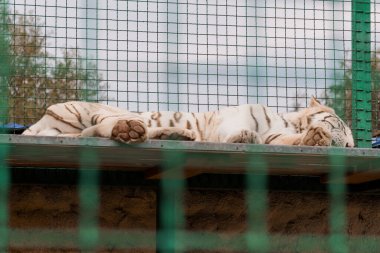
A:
x: 256, y: 198
x: 89, y: 171
x: 337, y: 193
x: 4, y: 189
x: 89, y: 200
x: 361, y: 72
x: 4, y: 149
x: 172, y: 193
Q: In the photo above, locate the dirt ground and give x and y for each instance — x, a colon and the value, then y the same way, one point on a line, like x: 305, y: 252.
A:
x: 125, y: 208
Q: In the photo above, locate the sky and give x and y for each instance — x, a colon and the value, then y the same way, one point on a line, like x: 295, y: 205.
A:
x: 199, y: 55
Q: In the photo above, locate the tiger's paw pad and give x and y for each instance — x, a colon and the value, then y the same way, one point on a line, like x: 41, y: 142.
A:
x: 129, y: 131
x: 317, y: 137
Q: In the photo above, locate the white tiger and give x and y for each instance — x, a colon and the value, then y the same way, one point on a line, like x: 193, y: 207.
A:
x: 317, y: 125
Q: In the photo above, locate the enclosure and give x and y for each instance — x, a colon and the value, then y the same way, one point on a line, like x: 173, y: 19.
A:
x: 193, y: 56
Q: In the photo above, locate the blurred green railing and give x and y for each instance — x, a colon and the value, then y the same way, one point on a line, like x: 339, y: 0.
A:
x: 171, y: 235
x: 171, y: 231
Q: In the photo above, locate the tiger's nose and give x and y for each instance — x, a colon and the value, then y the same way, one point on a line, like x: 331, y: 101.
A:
x: 349, y: 145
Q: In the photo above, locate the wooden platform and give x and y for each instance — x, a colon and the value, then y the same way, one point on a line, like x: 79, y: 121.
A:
x: 362, y: 165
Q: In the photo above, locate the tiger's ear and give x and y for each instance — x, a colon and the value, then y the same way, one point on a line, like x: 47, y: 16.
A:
x: 314, y: 102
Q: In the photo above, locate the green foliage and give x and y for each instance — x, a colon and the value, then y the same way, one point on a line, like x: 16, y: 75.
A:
x: 339, y: 96
x: 39, y: 79
x: 4, y: 63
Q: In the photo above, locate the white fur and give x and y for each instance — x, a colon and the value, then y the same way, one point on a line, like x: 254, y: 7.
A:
x: 317, y: 125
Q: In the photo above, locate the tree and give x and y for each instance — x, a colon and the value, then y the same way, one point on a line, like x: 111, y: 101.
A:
x: 340, y: 95
x: 4, y: 65
x: 39, y: 79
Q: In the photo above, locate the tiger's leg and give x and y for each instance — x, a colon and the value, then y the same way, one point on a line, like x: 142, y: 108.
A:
x: 283, y: 139
x: 51, y: 132
x: 45, y: 132
x: 243, y: 136
x: 50, y: 126
x: 171, y: 133
x: 128, y: 129
x: 314, y: 136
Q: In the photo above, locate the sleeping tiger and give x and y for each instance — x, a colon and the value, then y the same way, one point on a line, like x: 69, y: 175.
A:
x: 317, y: 125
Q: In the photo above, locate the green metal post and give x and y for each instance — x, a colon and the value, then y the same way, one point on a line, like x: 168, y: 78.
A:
x: 4, y: 149
x: 256, y: 178
x: 337, y: 190
x: 361, y: 72
x: 89, y: 200
x: 171, y: 213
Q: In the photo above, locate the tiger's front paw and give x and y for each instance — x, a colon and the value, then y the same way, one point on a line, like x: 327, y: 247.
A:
x: 129, y: 131
x: 317, y: 137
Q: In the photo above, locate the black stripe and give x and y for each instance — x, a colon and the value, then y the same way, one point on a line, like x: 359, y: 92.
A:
x: 79, y: 116
x: 177, y: 116
x: 97, y: 117
x: 329, y: 116
x: 266, y: 116
x: 68, y: 108
x: 296, y: 127
x: 211, y: 117
x: 76, y: 114
x: 93, y: 121
x: 57, y: 130
x: 197, y: 124
x: 188, y: 125
x: 59, y: 118
x: 334, y: 127
x: 342, y: 125
x: 255, y: 120
x: 312, y: 115
x: 285, y: 122
x: 271, y: 138
x: 156, y: 117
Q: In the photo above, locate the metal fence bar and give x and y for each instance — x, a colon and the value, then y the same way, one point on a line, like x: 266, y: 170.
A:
x: 89, y: 200
x: 171, y: 214
x: 4, y: 149
x: 337, y: 192
x: 361, y: 72
x: 4, y: 200
x: 89, y: 171
x: 256, y: 199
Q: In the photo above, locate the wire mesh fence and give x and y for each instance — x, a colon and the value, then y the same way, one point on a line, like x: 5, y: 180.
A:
x: 188, y: 55
x: 191, y: 56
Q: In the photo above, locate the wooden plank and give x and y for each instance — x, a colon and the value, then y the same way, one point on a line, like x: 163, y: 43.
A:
x: 362, y: 177
x: 201, y: 157
x: 157, y: 173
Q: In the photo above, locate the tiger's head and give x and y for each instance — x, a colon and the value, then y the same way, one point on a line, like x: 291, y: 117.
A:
x: 318, y: 114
